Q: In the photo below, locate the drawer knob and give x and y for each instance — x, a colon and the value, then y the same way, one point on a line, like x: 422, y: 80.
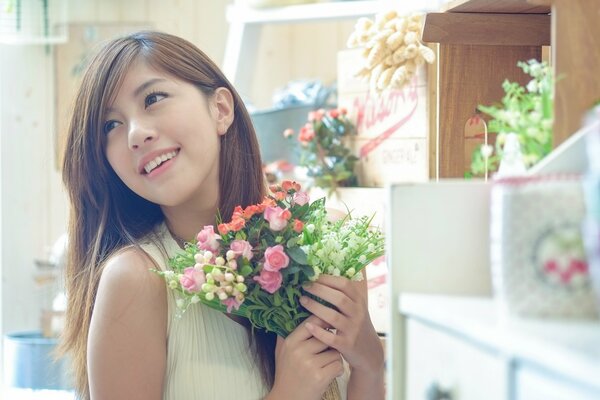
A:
x: 435, y: 392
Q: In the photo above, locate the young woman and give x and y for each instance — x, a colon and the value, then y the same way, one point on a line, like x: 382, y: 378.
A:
x: 158, y: 142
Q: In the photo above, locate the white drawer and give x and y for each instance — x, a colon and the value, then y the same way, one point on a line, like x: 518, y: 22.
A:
x: 454, y: 364
x: 533, y: 383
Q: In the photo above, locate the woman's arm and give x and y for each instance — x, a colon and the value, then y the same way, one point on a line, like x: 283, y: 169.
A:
x: 355, y: 337
x: 127, y: 337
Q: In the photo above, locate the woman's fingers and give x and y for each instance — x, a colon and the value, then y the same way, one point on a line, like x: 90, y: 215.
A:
x: 299, y: 335
x: 334, y: 296
x: 332, y: 317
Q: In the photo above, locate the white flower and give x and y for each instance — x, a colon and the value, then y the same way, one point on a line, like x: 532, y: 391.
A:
x: 532, y: 86
x: 486, y: 150
x: 195, y: 299
x: 173, y: 284
x: 180, y: 303
x: 362, y: 259
x: 210, y: 296
x: 220, y: 261
x: 310, y: 228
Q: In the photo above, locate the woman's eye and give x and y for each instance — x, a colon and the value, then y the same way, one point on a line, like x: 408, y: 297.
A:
x: 153, y: 98
x: 109, y: 126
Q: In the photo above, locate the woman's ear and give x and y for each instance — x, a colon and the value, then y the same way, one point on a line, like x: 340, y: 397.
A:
x: 223, y: 102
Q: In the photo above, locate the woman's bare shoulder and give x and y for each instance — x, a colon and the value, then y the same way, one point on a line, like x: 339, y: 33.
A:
x: 127, y: 336
x: 128, y: 281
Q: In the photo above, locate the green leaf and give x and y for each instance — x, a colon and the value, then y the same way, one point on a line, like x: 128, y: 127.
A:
x: 298, y: 255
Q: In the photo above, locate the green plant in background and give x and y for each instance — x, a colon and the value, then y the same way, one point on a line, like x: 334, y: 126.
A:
x: 324, y: 151
x: 527, y: 112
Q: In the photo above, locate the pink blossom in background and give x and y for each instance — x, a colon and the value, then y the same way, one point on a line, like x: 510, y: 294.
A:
x: 277, y: 217
x: 192, y: 279
x: 208, y: 239
x: 275, y: 258
x: 241, y: 248
x: 307, y: 133
x: 268, y: 280
x: 300, y: 198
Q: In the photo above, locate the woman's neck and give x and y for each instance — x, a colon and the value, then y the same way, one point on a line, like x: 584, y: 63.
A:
x: 185, y: 224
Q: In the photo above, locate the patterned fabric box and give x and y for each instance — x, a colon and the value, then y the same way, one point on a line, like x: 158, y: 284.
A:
x: 538, y: 260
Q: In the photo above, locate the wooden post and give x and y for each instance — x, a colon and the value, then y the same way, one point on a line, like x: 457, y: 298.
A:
x: 576, y: 57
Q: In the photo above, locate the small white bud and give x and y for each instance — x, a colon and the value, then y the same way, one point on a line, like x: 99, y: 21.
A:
x: 195, y: 299
x: 199, y: 257
x: 229, y: 277
x: 210, y: 296
x: 222, y: 295
x: 240, y: 278
x: 230, y: 255
x: 180, y: 303
x: 220, y: 261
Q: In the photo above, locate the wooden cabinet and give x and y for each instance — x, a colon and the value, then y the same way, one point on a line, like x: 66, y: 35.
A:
x: 480, y: 42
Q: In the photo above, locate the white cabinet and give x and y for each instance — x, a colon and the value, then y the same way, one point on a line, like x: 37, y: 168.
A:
x: 246, y: 23
x: 458, y: 349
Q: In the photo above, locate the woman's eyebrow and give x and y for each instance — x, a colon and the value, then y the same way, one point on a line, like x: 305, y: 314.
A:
x: 146, y: 84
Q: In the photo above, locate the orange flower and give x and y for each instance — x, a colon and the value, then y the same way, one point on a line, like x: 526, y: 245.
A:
x: 237, y: 223
x: 223, y: 229
x: 287, y: 185
x: 237, y: 212
x: 250, y: 211
x: 298, y: 225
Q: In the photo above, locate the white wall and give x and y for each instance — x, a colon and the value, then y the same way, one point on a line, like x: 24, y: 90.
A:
x: 32, y: 205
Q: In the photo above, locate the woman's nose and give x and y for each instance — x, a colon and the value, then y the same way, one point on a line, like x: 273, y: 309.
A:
x: 139, y: 135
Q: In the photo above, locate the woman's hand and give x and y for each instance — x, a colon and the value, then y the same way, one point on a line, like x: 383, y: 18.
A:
x: 304, y: 366
x: 354, y: 337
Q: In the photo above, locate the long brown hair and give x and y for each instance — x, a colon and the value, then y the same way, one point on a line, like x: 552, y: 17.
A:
x: 105, y: 214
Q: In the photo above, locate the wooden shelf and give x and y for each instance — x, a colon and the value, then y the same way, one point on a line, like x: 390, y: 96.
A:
x: 487, y: 29
x: 301, y: 13
x: 495, y: 6
x: 245, y: 26
x: 480, y: 44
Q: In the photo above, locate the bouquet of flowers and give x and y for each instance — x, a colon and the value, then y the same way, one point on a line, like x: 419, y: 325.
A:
x: 324, y: 148
x: 255, y: 265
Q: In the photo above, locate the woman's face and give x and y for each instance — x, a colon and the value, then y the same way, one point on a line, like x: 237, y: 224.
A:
x: 163, y: 137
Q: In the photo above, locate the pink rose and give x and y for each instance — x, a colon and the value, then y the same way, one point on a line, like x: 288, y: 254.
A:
x: 268, y: 280
x: 192, y: 279
x: 277, y: 217
x: 208, y: 239
x: 241, y: 248
x: 275, y: 258
x: 300, y: 198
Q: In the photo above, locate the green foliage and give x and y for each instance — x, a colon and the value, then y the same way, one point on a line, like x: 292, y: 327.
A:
x: 527, y: 112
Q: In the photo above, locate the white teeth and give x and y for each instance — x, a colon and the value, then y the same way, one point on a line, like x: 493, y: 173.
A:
x: 159, y: 160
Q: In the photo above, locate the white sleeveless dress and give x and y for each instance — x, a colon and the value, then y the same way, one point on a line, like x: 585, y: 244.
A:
x: 208, y: 354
